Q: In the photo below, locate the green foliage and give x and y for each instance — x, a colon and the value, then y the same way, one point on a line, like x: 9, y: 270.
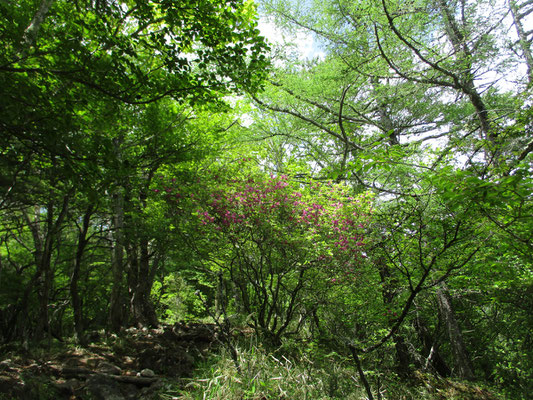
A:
x: 367, y: 186
x: 176, y: 299
x: 136, y: 52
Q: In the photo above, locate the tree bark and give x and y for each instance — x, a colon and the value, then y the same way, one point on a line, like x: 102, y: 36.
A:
x: 140, y: 282
x: 361, y: 373
x: 388, y: 294
x: 431, y: 349
x: 116, y: 312
x: 44, y: 234
x: 30, y: 33
x: 466, y: 77
x: 75, y: 277
x: 525, y: 44
x: 141, y: 273
x: 461, y: 359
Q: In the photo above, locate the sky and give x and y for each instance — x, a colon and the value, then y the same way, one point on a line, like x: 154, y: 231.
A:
x: 304, y: 43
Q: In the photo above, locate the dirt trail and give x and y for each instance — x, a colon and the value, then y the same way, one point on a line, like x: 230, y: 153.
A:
x: 132, y: 365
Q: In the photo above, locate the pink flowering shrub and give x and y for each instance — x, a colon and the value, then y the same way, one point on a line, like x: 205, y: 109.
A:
x: 277, y: 239
x: 321, y: 218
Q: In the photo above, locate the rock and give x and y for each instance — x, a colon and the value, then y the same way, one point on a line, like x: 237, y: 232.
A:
x: 131, y: 392
x: 147, y: 373
x: 67, y: 387
x: 108, y: 368
x: 103, y: 388
x: 76, y: 372
x: 5, y: 365
x: 150, y: 391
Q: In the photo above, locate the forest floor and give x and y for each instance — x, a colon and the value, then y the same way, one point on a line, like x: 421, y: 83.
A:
x: 133, y: 365
x: 149, y: 364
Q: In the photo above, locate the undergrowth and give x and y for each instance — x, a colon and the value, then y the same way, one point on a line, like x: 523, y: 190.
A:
x: 307, y: 376
x: 268, y: 376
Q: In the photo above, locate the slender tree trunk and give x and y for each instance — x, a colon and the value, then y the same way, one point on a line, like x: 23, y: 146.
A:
x: 466, y: 76
x: 141, y: 274
x: 144, y: 287
x: 361, y: 373
x: 462, y: 363
x: 132, y: 272
x: 525, y: 44
x: 140, y: 281
x: 146, y: 272
x: 75, y: 277
x: 116, y: 311
x: 39, y: 257
x: 44, y: 293
x: 386, y: 123
x: 30, y: 33
x: 388, y: 293
x: 44, y: 234
x: 431, y: 349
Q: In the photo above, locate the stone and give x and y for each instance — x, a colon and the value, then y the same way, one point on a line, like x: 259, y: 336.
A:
x: 67, y: 387
x: 102, y: 388
x: 5, y: 365
x: 147, y: 373
x: 108, y: 368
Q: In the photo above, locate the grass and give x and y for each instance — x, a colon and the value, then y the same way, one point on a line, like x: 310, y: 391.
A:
x: 306, y: 376
x: 267, y: 376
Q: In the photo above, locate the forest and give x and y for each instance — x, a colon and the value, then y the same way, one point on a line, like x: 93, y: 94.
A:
x: 194, y: 207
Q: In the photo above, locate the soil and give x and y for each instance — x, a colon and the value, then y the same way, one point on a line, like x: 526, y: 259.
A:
x: 134, y: 364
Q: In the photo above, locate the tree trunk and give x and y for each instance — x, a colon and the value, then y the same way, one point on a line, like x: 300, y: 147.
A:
x: 43, y: 240
x: 140, y: 274
x: 466, y: 76
x: 462, y: 363
x: 74, y: 279
x: 30, y: 33
x: 385, y: 121
x: 140, y: 281
x: 361, y: 373
x: 431, y: 349
x: 116, y: 311
x: 388, y: 294
x: 525, y: 44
